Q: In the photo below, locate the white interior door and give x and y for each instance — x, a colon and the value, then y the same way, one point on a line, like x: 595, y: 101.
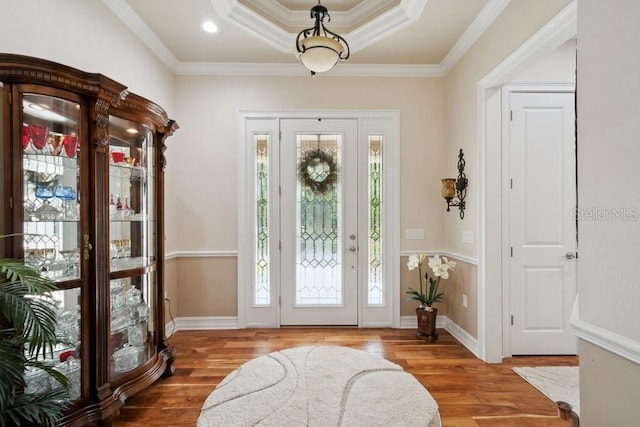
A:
x: 319, y: 222
x: 542, y: 222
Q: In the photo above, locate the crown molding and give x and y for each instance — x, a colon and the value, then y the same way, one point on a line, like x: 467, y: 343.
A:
x: 388, y: 23
x: 396, y: 18
x: 300, y: 18
x: 295, y: 69
x: 132, y: 20
x: 255, y: 24
x: 391, y: 21
x: 485, y: 18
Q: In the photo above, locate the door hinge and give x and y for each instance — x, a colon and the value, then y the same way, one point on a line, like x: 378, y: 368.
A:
x: 512, y: 320
x: 10, y: 202
x: 511, y: 183
x: 511, y: 251
x: 279, y: 244
x: 511, y: 115
x: 280, y: 300
x: 280, y: 190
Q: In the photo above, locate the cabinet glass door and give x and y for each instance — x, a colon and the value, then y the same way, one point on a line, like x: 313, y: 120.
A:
x: 51, y: 223
x: 132, y: 235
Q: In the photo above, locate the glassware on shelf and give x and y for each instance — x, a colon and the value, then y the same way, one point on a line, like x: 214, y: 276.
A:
x: 34, y: 258
x: 37, y: 381
x: 68, y: 327
x: 54, y: 145
x: 29, y: 210
x: 120, y: 247
x: 49, y: 258
x: 136, y: 335
x: 72, y: 260
x: 38, y: 136
x: 121, y: 318
x: 67, y: 194
x: 127, y: 358
x: 117, y: 157
x: 70, y: 143
x: 39, y: 259
x: 25, y: 137
x: 46, y: 212
x: 127, y: 212
x: 70, y: 368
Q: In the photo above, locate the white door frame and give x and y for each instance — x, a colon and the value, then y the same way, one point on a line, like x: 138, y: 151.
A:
x: 506, y: 92
x: 369, y: 121
x: 559, y: 30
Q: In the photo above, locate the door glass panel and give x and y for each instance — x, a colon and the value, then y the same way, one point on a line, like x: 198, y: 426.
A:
x: 132, y: 229
x: 131, y: 192
x: 319, y: 220
x: 49, y: 142
x: 262, y: 291
x: 375, y: 197
x: 65, y: 355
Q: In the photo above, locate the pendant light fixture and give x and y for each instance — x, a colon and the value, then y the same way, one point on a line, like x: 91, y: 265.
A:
x: 318, y: 48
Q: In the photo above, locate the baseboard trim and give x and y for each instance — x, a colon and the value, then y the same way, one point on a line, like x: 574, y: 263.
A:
x: 463, y: 336
x: 206, y: 322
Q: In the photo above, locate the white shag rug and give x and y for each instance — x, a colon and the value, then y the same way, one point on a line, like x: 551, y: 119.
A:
x: 321, y: 386
x: 558, y: 383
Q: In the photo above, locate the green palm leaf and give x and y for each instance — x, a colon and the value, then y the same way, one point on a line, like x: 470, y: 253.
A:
x: 27, y: 321
x: 38, y: 408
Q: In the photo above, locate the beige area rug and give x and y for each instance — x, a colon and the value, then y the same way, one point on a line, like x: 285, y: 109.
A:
x: 321, y: 386
x: 558, y: 383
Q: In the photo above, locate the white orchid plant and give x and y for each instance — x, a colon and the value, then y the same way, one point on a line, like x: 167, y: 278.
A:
x: 440, y: 268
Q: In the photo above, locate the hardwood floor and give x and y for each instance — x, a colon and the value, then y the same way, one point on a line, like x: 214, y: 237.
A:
x: 469, y: 392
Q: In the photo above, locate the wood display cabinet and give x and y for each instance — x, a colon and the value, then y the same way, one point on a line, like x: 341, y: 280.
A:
x: 83, y: 176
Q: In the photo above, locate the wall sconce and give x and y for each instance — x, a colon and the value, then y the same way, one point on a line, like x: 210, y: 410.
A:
x: 452, y: 187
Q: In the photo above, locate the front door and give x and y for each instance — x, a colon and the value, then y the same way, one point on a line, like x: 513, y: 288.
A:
x: 319, y: 222
x: 542, y: 222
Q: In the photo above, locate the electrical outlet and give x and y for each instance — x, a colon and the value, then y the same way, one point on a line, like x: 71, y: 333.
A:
x: 464, y: 300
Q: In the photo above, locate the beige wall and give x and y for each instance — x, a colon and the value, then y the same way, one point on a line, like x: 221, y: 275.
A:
x: 608, y: 388
x: 88, y: 36
x: 171, y: 289
x: 464, y: 280
x: 608, y: 173
x: 207, y: 143
x: 207, y: 146
x: 207, y: 287
x: 519, y: 21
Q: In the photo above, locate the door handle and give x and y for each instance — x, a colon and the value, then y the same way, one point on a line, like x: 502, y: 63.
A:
x: 569, y: 255
x: 352, y: 249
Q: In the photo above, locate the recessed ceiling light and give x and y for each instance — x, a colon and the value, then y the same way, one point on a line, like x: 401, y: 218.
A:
x: 209, y: 27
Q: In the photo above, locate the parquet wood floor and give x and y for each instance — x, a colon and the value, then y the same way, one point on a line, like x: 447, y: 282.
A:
x: 470, y: 393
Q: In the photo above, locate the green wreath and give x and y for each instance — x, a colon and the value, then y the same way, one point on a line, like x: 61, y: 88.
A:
x: 318, y: 171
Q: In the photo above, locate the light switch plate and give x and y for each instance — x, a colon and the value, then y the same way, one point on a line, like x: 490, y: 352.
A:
x: 414, y: 234
x: 467, y: 237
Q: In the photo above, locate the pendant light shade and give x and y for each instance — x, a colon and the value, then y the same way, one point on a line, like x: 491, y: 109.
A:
x: 318, y: 48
